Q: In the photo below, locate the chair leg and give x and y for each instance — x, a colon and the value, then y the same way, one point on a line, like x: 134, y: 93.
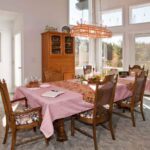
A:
x: 46, y: 141
x: 72, y: 126
x: 6, y: 133
x: 132, y: 116
x: 13, y: 139
x: 34, y: 129
x: 141, y: 108
x: 94, y: 137
x: 111, y: 129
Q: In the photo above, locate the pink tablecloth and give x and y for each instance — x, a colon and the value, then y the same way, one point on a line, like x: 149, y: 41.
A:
x: 130, y: 78
x: 88, y: 91
x: 65, y: 105
x: 59, y: 107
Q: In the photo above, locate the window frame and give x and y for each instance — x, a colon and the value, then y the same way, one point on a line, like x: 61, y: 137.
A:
x: 111, y: 10
x: 68, y: 17
x: 123, y: 52
x: 136, y: 35
x: 78, y: 66
x: 130, y: 13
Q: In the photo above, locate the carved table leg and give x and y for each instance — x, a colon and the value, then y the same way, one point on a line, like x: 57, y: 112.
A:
x: 59, y: 127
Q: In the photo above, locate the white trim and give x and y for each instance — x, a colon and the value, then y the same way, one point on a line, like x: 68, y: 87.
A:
x: 136, y: 6
x: 112, y: 11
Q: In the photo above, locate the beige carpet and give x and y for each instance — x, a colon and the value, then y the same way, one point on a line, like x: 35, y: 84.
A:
x: 127, y: 137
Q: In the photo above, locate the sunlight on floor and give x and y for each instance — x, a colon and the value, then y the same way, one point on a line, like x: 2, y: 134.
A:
x: 146, y: 105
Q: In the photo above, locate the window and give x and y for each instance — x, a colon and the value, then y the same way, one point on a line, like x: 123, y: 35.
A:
x: 112, y: 18
x: 112, y: 52
x: 140, y: 14
x: 81, y: 52
x: 142, y: 50
x: 78, y: 10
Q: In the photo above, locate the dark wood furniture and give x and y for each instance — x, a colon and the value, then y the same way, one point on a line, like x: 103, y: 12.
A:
x: 58, y: 54
x: 113, y: 71
x: 137, y: 97
x: 21, y: 119
x: 136, y: 69
x: 102, y: 111
x: 123, y: 74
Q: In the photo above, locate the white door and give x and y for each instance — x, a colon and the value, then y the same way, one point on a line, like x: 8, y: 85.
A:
x: 17, y: 60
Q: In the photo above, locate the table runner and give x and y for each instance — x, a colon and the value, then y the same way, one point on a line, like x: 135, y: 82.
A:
x: 73, y: 85
x: 88, y: 91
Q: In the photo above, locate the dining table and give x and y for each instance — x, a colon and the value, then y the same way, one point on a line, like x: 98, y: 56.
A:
x: 130, y: 80
x: 75, y: 97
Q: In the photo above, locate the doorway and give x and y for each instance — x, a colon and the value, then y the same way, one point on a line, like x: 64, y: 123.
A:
x: 17, y: 60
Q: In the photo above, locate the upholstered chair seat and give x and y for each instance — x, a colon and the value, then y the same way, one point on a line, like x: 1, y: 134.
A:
x: 102, y: 110
x: 19, y: 115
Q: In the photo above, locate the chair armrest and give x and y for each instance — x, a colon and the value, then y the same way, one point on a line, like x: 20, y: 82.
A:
x: 21, y: 99
x: 37, y: 109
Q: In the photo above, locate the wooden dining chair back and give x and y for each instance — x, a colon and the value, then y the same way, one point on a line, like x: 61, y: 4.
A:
x: 136, y: 69
x: 6, y: 102
x: 24, y: 117
x: 113, y: 71
x: 102, y: 111
x: 105, y: 91
x: 51, y: 76
x: 109, y: 78
x: 87, y: 69
x: 137, y: 96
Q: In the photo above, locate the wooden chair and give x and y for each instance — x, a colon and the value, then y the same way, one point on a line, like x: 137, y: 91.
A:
x: 87, y: 69
x: 113, y: 71
x: 53, y: 76
x: 137, y: 96
x: 123, y: 74
x: 23, y: 118
x: 102, y: 111
x: 136, y: 69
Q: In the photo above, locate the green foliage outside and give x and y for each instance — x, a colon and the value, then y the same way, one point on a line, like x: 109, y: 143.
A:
x: 114, y: 53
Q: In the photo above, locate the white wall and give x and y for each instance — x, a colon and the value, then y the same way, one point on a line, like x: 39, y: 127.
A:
x: 6, y: 47
x: 36, y: 15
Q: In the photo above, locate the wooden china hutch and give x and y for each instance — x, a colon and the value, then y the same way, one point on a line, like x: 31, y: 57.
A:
x: 58, y: 54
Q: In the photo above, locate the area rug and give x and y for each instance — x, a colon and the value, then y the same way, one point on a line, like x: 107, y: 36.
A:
x: 127, y: 136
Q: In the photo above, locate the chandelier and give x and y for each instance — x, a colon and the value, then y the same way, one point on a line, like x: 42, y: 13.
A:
x: 88, y: 30
x: 91, y: 31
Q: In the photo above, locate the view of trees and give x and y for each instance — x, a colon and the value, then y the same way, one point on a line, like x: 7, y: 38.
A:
x: 142, y: 54
x: 113, y: 55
